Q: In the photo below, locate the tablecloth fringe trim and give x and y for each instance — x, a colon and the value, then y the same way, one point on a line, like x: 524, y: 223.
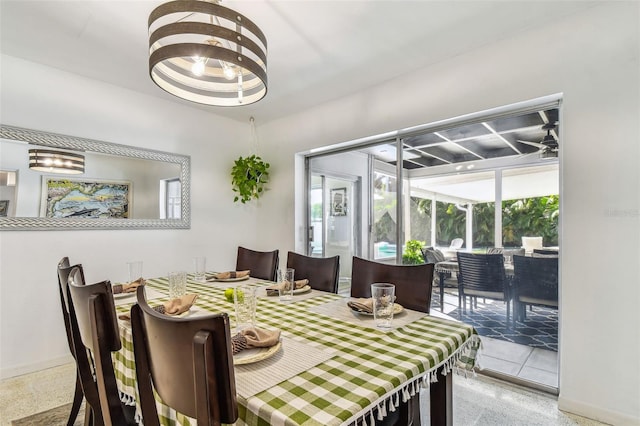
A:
x: 389, y: 403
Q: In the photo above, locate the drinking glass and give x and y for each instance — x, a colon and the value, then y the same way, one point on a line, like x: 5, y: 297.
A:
x: 135, y: 270
x: 383, y: 295
x: 244, y: 299
x: 177, y: 284
x: 200, y: 264
x: 287, y: 285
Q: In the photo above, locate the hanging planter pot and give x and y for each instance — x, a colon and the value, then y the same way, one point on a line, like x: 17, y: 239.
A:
x: 249, y: 176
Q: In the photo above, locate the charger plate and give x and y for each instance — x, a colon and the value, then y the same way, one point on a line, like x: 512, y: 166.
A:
x: 249, y: 356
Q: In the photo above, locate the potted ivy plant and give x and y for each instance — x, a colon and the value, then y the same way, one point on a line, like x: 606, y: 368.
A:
x: 249, y: 176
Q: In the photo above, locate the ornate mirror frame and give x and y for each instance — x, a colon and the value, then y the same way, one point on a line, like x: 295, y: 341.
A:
x: 54, y: 140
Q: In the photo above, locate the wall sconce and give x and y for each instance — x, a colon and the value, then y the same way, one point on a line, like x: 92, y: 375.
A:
x: 53, y: 161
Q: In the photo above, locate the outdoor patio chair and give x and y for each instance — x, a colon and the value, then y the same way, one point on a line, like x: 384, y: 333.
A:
x: 545, y: 252
x: 530, y: 243
x: 535, y: 282
x: 482, y: 275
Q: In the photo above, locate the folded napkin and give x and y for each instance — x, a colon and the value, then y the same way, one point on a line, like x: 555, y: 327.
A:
x: 272, y: 290
x: 128, y: 287
x: 254, y: 337
x: 178, y: 305
x: 361, y: 305
x: 228, y: 274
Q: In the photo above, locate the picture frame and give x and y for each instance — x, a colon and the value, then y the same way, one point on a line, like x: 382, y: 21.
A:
x: 85, y: 198
x: 4, y: 208
x: 338, y: 202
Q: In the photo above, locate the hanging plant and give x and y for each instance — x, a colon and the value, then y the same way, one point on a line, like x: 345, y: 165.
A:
x: 249, y: 176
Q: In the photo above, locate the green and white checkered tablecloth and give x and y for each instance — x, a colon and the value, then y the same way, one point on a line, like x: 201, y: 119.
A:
x: 371, y: 371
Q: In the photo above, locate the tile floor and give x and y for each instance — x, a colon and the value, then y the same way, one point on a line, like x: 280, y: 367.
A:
x: 477, y: 401
x: 532, y: 367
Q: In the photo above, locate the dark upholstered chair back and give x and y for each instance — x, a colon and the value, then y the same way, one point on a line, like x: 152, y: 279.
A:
x: 413, y: 282
x: 322, y: 272
x: 263, y: 264
x: 546, y: 252
x: 95, y: 314
x: 64, y: 269
x: 188, y: 361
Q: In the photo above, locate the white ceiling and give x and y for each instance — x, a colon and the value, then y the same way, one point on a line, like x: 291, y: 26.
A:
x: 318, y: 50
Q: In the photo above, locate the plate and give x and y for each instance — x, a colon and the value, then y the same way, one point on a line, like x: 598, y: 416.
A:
x: 249, y: 356
x: 301, y: 290
x: 228, y: 280
x: 397, y: 308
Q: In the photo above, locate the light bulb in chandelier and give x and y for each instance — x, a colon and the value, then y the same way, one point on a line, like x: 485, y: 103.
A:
x: 198, y: 65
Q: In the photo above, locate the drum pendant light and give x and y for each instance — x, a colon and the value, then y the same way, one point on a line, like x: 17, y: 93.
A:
x: 206, y: 53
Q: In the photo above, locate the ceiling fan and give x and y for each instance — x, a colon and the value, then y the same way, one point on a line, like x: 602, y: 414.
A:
x: 548, y: 144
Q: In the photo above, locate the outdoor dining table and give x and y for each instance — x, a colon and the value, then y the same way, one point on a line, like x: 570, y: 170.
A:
x: 334, y: 366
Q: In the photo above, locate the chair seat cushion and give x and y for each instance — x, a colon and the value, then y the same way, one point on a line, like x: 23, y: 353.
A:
x: 488, y: 294
x: 535, y: 301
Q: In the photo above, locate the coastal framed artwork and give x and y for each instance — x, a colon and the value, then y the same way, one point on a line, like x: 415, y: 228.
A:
x: 338, y: 202
x: 85, y: 198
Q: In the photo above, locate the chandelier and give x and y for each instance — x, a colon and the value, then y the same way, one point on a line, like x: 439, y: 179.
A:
x: 54, y: 161
x: 207, y: 53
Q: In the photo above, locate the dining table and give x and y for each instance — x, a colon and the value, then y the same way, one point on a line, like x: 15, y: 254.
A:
x: 333, y: 365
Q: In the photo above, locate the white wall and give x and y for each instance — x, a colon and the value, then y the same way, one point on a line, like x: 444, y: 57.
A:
x: 593, y: 59
x: 42, y: 98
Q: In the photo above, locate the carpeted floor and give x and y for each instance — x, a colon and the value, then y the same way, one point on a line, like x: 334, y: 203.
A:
x: 539, y: 330
x: 55, y: 417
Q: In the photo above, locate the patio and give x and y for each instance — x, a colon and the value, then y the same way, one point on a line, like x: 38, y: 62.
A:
x: 526, y: 354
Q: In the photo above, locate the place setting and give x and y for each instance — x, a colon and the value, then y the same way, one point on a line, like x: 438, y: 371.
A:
x: 228, y: 276
x: 287, y: 286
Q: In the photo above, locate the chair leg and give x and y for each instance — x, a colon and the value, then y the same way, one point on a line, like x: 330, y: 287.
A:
x: 78, y: 396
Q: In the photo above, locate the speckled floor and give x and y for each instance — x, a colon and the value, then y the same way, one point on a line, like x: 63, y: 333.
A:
x: 477, y: 401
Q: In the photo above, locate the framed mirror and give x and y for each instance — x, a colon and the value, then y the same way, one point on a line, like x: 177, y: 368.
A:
x: 121, y: 186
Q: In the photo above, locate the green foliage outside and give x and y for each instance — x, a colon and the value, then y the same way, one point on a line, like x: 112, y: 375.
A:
x: 412, y: 254
x: 525, y: 217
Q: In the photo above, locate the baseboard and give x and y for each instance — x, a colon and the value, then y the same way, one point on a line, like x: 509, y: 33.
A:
x: 7, y: 373
x: 596, y: 413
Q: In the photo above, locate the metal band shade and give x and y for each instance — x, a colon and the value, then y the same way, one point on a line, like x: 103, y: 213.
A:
x: 177, y: 41
x: 52, y: 161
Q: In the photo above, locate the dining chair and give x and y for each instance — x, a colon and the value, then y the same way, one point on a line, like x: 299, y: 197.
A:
x: 546, y: 252
x: 95, y: 315
x: 78, y: 395
x: 263, y: 264
x: 530, y: 243
x: 84, y: 364
x: 482, y: 275
x: 413, y: 282
x: 449, y: 279
x: 322, y: 272
x: 187, y: 361
x: 456, y: 244
x: 535, y: 282
x: 413, y: 291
